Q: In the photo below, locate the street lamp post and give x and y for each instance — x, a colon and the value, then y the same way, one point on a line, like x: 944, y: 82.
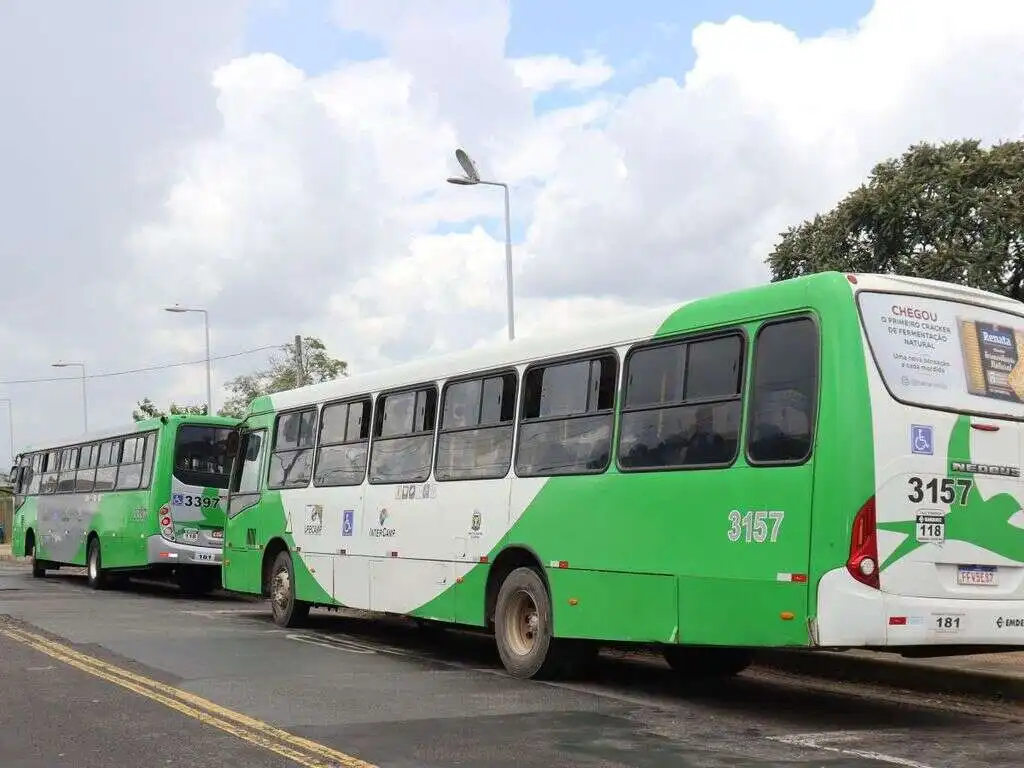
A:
x: 85, y: 402
x: 206, y: 326
x: 472, y: 178
x: 10, y: 422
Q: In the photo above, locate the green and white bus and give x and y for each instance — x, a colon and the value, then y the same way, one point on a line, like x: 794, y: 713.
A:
x: 831, y: 461
x: 143, y: 499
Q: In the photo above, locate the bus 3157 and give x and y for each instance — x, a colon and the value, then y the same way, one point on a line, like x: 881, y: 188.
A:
x: 826, y: 462
x: 145, y: 499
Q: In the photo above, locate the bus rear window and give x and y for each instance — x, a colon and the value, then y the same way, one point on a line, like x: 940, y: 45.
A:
x: 201, y: 456
x: 938, y: 353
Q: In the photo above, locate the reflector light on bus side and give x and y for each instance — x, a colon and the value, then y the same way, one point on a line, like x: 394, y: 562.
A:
x: 863, y: 562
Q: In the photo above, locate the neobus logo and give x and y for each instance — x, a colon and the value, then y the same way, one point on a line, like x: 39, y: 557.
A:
x: 999, y: 470
x: 992, y: 337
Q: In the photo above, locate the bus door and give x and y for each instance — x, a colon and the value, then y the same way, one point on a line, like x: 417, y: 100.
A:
x: 243, y: 555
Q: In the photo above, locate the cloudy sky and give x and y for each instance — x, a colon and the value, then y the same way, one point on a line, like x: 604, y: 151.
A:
x: 282, y: 163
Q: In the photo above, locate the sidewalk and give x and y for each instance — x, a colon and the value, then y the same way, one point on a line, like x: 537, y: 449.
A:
x: 984, y: 674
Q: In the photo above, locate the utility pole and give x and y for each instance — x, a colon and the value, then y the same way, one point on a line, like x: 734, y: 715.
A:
x: 300, y: 373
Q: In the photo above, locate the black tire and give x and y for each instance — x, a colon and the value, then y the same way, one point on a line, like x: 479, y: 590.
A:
x: 95, y: 574
x: 692, y: 663
x: 286, y: 609
x: 523, y: 627
x: 38, y: 566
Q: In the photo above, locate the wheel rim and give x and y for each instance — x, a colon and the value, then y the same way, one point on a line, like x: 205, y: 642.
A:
x: 93, y: 569
x: 280, y: 590
x: 522, y: 629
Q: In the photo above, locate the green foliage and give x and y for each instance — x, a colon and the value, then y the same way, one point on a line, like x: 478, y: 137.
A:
x: 147, y: 409
x: 952, y: 212
x: 283, y: 373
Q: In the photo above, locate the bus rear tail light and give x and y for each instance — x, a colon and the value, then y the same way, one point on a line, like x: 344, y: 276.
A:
x: 863, y: 562
x: 166, y: 523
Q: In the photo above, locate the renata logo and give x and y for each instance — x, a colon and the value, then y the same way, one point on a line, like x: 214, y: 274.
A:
x: 1001, y: 339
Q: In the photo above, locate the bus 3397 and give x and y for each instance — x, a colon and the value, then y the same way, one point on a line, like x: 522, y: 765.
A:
x: 146, y: 499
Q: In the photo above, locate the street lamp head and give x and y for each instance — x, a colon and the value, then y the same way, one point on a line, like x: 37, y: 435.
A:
x: 467, y: 165
x: 462, y: 180
x: 175, y: 309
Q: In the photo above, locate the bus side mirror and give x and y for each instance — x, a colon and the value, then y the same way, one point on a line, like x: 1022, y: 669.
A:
x: 15, y: 476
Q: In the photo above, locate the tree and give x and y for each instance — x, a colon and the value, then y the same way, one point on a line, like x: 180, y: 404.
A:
x: 952, y: 212
x: 304, y: 361
x: 147, y: 410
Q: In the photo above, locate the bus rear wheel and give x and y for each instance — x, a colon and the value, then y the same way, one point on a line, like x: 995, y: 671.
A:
x: 523, y: 627
x: 95, y: 574
x: 288, y: 611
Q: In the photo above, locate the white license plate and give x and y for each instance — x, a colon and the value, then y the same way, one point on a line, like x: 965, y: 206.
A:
x: 190, y: 535
x: 977, y: 575
x: 205, y: 557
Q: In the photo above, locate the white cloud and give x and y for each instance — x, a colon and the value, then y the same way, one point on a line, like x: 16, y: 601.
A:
x: 296, y: 204
x: 545, y: 73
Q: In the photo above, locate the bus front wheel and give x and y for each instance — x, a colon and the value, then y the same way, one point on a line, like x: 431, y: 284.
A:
x: 523, y: 626
x: 288, y: 611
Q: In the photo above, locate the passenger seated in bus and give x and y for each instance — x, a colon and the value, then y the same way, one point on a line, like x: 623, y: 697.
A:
x: 705, y: 445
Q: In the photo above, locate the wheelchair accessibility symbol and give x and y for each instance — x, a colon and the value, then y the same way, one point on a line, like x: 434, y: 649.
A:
x: 921, y: 439
x: 348, y: 522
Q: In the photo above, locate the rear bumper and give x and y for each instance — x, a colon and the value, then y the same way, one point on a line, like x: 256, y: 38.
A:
x: 851, y: 614
x: 160, y: 551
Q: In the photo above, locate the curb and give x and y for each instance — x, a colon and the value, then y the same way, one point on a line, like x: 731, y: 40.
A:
x: 897, y: 672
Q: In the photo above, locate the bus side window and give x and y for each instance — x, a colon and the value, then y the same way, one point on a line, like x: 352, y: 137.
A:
x: 566, y: 422
x: 784, y: 397
x: 36, y: 475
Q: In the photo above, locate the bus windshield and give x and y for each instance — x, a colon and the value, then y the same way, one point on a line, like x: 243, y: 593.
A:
x: 938, y: 353
x: 201, y: 456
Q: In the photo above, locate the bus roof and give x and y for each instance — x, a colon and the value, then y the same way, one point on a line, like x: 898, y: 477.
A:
x: 128, y: 429
x: 622, y: 329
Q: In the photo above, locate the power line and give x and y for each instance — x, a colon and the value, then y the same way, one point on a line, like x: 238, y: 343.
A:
x: 163, y: 367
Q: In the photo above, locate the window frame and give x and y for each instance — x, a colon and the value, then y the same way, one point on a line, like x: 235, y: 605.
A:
x: 278, y: 418
x: 684, y: 339
x: 815, y: 406
x: 480, y: 376
x: 378, y: 413
x: 547, y: 362
x: 319, y: 444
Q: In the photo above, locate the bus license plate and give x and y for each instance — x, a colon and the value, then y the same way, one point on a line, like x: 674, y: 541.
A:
x: 977, y: 575
x: 205, y: 557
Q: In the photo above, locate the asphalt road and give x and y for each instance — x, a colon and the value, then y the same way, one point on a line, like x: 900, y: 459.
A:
x: 142, y: 676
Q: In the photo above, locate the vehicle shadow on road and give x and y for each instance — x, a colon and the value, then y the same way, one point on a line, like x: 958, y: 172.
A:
x: 645, y: 679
